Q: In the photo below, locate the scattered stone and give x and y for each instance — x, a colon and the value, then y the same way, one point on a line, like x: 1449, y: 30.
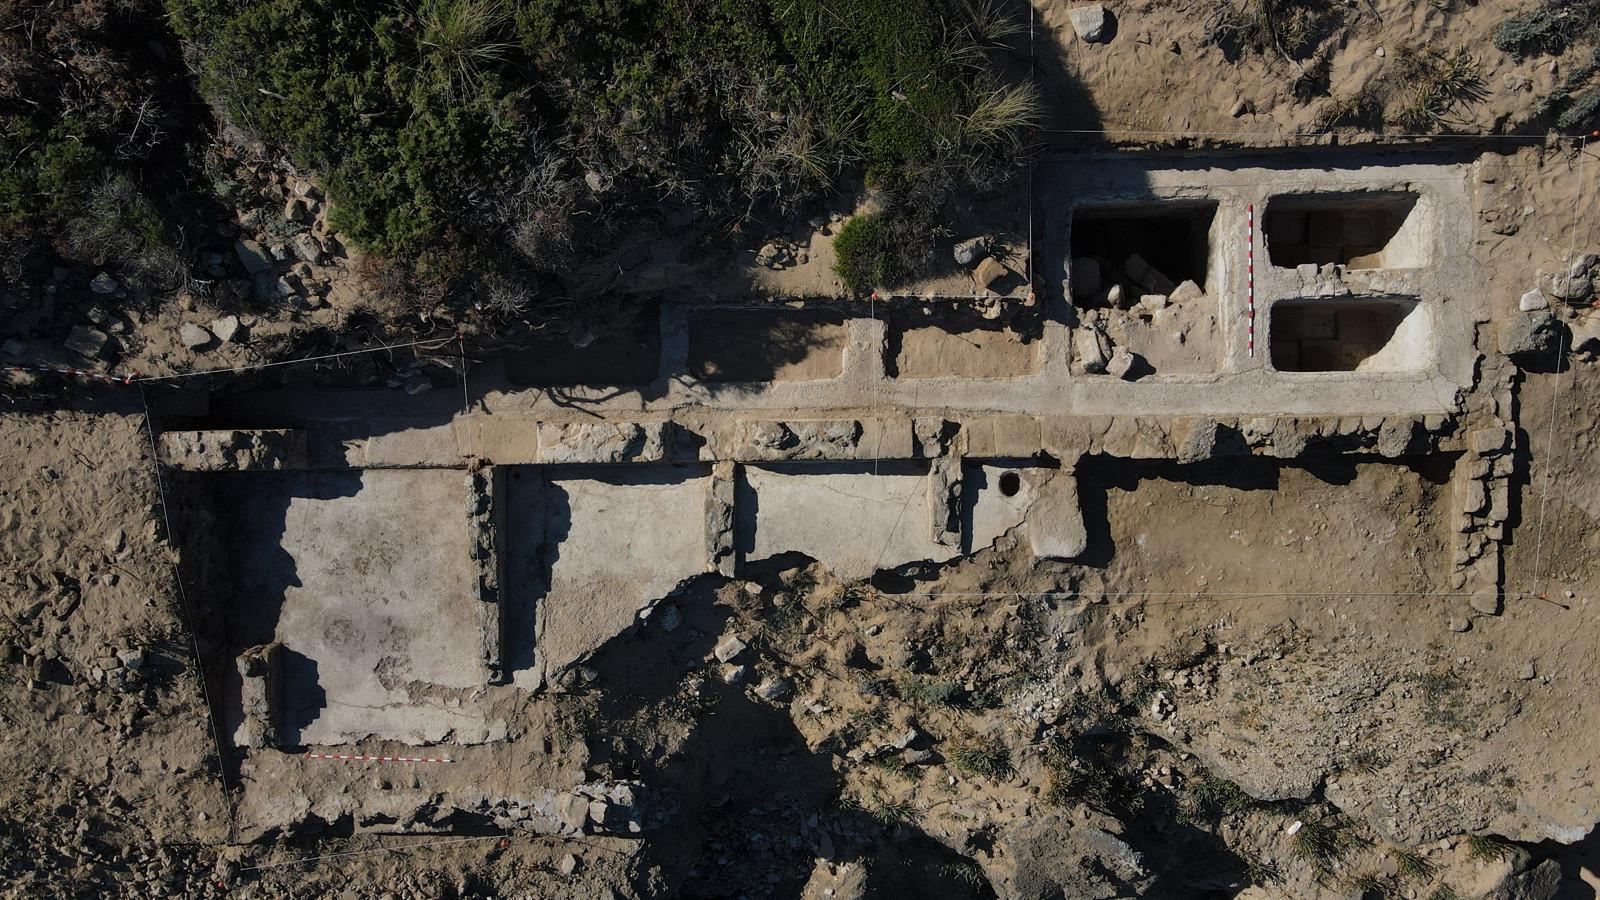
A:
x: 1529, y: 671
x: 729, y: 648
x: 1530, y: 337
x: 768, y: 255
x: 295, y: 210
x: 1533, y: 300
x: 568, y: 864
x: 916, y: 757
x: 251, y: 255
x: 194, y: 336
x: 223, y: 450
x: 1093, y: 23
x: 1084, y: 276
x: 671, y: 618
x: 260, y: 694
x: 1571, y: 288
x: 307, y: 248
x: 226, y: 329
x: 735, y: 674
x: 1090, y: 349
x: 775, y: 689
x: 1186, y: 291
x: 1123, y: 364
x: 1240, y: 108
x: 86, y: 342
x: 104, y: 284
x: 1140, y: 272
x: 969, y: 251
x: 1153, y: 303
x: 989, y: 271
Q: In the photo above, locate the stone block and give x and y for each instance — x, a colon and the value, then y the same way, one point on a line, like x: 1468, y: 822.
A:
x: 603, y: 442
x: 777, y: 441
x: 486, y: 513
x: 223, y: 451
x: 1489, y: 441
x: 944, y: 500
x: 721, y: 554
x: 500, y: 439
x: 889, y: 438
x: 1002, y: 436
x: 1055, y: 521
x: 261, y: 695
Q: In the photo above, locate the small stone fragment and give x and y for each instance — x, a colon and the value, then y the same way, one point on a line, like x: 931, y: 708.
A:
x: 252, y: 256
x: 774, y: 689
x: 1186, y: 291
x: 970, y: 250
x: 671, y: 618
x: 226, y: 328
x: 194, y: 336
x: 86, y: 342
x: 1123, y: 364
x: 989, y: 271
x: 1091, y: 22
x: 729, y: 648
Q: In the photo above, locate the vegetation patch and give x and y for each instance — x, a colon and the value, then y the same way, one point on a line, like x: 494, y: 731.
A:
x: 100, y: 148
x: 515, y: 130
x: 986, y: 759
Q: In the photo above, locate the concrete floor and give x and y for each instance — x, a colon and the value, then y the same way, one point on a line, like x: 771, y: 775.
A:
x: 590, y: 549
x: 853, y: 517
x: 364, y: 578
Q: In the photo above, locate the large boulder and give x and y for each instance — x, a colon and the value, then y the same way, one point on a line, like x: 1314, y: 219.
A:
x: 1530, y: 338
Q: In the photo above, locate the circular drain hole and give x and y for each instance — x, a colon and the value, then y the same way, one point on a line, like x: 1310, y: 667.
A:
x: 1010, y: 483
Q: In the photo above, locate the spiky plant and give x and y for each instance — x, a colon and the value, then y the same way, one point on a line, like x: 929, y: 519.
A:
x: 1411, y: 865
x: 1485, y: 848
x: 1000, y: 115
x: 987, y: 760
x: 462, y: 36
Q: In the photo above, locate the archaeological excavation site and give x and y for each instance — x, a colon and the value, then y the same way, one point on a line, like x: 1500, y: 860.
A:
x: 1176, y: 479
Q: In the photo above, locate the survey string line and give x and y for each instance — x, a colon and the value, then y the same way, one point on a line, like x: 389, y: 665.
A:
x: 188, y: 618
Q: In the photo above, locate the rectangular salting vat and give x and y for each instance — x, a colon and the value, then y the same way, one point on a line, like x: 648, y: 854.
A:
x: 1385, y: 334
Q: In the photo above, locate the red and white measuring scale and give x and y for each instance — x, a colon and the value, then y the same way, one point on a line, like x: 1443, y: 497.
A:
x: 1250, y: 280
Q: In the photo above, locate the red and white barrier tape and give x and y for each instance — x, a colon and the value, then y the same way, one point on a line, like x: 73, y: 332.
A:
x: 1250, y: 280
x: 357, y: 758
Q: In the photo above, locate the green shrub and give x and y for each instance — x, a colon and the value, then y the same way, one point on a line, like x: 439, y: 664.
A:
x: 97, y: 134
x: 863, y: 261
x: 1292, y: 28
x: 1548, y: 28
x: 928, y: 692
x: 426, y: 120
